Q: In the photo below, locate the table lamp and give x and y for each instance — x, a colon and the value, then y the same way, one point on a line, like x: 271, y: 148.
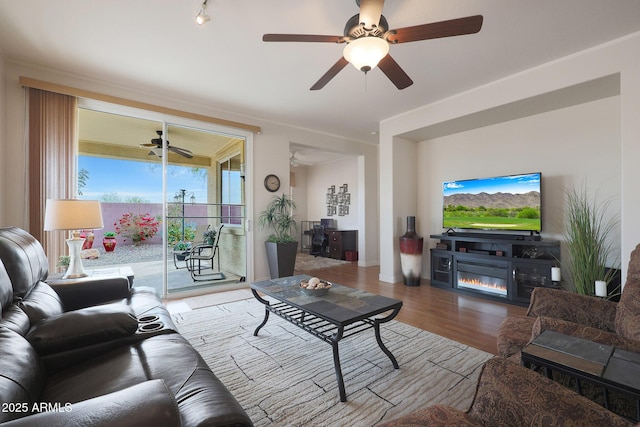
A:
x: 74, y: 215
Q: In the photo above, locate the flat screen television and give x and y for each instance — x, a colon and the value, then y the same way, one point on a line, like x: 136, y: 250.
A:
x: 504, y: 203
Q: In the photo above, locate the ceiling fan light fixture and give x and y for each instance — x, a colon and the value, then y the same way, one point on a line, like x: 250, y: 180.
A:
x: 365, y: 53
x: 202, y: 17
x: 293, y: 160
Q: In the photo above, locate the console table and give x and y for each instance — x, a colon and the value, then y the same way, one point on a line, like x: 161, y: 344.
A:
x: 603, y: 365
x: 500, y: 267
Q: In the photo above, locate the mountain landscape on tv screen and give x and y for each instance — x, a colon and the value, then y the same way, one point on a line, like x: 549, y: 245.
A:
x: 496, y: 200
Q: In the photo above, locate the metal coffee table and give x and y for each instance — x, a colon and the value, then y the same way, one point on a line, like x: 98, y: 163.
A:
x: 341, y: 313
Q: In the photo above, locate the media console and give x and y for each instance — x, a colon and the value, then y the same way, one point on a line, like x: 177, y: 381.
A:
x: 500, y: 267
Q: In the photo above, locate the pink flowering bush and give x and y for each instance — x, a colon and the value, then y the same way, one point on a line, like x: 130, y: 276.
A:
x: 137, y: 227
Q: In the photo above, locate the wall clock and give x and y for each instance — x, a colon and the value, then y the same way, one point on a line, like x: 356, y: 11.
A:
x: 272, y: 183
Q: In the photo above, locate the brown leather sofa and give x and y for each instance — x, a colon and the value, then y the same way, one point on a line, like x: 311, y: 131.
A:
x: 96, y: 352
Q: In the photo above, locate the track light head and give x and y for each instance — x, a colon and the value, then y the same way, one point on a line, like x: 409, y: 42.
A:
x: 202, y: 17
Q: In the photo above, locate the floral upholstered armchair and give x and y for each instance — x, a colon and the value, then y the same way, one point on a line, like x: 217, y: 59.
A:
x: 592, y: 318
x: 508, y: 394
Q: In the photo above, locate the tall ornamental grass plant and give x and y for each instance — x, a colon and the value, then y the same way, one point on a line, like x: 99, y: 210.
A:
x: 588, y: 233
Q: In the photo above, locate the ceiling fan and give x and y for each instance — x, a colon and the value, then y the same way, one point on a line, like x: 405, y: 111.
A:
x: 156, y: 143
x: 368, y: 36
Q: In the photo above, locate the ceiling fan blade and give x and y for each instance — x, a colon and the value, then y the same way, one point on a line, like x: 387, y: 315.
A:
x: 326, y: 78
x: 181, y: 151
x: 392, y: 70
x: 302, y: 38
x: 435, y: 30
x: 370, y: 11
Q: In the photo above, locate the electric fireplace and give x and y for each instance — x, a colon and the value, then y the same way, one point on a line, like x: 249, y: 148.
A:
x: 484, y: 277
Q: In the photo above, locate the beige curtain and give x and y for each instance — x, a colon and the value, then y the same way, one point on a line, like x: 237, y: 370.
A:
x: 52, y: 143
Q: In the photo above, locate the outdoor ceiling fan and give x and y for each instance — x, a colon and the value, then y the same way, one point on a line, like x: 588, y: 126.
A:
x: 368, y: 36
x: 156, y: 143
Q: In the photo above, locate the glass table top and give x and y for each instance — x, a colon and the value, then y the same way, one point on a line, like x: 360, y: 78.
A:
x: 341, y: 304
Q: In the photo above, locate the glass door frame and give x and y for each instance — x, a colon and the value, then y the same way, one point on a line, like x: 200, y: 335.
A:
x: 167, y: 120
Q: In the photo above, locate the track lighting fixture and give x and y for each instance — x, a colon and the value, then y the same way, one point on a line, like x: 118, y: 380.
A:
x: 202, y: 16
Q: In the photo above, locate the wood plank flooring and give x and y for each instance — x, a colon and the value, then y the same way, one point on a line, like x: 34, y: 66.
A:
x: 469, y: 320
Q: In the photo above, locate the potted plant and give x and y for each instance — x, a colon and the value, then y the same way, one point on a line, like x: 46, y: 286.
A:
x: 63, y: 262
x: 589, y: 241
x: 281, y: 246
x: 109, y: 241
x: 181, y: 250
x: 209, y: 237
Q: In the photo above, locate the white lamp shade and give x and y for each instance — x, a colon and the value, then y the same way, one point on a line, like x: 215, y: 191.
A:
x: 365, y: 53
x: 72, y: 214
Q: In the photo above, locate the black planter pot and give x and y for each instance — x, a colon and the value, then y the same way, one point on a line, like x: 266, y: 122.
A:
x: 281, y: 258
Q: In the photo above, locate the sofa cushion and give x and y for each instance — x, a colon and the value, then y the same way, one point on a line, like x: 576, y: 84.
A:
x: 16, y: 319
x: 147, y: 404
x: 82, y: 327
x: 514, y: 333
x: 6, y: 291
x: 41, y: 303
x: 628, y: 312
x: 510, y: 395
x: 202, y: 399
x: 24, y: 259
x: 22, y: 375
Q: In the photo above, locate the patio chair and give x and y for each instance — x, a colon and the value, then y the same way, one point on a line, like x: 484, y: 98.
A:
x: 200, y: 261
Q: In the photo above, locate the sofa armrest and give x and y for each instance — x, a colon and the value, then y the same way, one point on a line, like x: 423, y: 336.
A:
x: 146, y: 404
x: 509, y: 394
x: 585, y: 332
x: 88, y: 291
x: 434, y: 416
x: 587, y: 310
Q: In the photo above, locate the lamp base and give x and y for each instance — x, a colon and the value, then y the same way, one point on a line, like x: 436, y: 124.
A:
x: 75, y: 269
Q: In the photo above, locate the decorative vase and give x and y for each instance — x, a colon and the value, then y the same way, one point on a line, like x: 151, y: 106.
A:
x: 88, y: 239
x: 411, y: 245
x: 109, y: 243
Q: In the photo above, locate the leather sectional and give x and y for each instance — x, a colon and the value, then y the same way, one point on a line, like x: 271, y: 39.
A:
x: 96, y: 352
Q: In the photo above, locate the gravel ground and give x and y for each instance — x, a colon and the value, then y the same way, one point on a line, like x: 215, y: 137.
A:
x: 125, y: 254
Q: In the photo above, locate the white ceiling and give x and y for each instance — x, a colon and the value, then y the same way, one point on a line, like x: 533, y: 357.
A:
x: 155, y: 45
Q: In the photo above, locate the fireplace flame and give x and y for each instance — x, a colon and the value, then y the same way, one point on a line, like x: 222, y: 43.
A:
x: 493, y: 287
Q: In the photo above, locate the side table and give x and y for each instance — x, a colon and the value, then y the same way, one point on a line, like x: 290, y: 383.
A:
x: 56, y: 279
x: 606, y: 366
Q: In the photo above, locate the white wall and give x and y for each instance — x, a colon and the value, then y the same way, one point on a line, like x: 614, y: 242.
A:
x: 570, y: 146
x: 269, y: 152
x: 322, y: 176
x: 615, y: 58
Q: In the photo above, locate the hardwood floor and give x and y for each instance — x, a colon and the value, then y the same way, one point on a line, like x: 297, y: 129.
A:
x: 469, y: 320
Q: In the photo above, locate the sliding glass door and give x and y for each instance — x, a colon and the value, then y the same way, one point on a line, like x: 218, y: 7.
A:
x: 172, y: 193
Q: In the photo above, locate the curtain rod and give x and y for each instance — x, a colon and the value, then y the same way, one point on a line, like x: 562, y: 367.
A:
x: 81, y: 93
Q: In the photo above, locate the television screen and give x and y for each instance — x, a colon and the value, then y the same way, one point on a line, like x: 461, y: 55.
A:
x: 499, y: 203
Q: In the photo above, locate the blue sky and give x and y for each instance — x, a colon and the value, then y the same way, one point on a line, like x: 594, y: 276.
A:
x: 128, y: 178
x: 515, y: 184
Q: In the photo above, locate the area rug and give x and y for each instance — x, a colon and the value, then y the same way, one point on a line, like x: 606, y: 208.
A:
x: 217, y: 298
x: 285, y: 376
x: 306, y: 262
